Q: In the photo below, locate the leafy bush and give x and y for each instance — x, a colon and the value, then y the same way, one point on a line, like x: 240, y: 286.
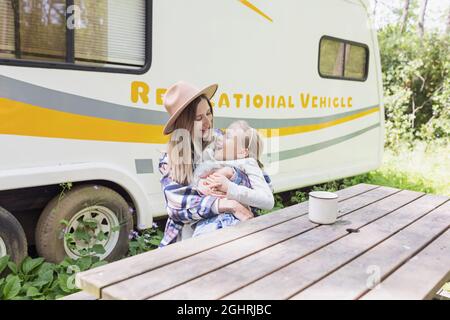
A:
x: 144, y: 241
x: 35, y: 279
x: 416, y: 85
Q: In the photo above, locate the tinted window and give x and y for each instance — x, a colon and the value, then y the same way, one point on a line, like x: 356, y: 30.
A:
x: 87, y: 33
x: 342, y: 59
x: 34, y: 30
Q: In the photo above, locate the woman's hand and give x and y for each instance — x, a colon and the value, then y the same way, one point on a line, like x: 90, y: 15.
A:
x: 239, y: 211
x: 217, y: 181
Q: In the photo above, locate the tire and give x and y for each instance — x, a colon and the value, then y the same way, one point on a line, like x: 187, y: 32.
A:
x: 82, y: 202
x: 13, y: 241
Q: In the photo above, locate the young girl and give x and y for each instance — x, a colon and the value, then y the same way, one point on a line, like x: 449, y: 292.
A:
x: 241, y: 148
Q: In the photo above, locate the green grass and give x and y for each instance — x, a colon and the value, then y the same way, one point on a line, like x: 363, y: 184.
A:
x: 425, y: 168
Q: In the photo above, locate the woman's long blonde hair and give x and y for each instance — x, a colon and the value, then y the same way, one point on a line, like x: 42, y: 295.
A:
x: 184, y: 148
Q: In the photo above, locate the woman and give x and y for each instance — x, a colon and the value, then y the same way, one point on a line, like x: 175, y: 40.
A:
x: 190, y: 126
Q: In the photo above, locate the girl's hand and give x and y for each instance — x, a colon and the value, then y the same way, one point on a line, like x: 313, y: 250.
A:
x: 217, y: 181
x: 242, y: 213
x: 239, y: 211
x: 205, y: 189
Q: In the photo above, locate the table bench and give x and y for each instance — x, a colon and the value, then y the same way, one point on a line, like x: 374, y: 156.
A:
x: 388, y: 243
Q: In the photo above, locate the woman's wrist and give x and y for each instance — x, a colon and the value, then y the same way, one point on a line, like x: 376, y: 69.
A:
x: 226, y: 205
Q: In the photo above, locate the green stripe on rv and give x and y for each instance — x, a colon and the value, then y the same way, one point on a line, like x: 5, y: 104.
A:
x: 294, y: 153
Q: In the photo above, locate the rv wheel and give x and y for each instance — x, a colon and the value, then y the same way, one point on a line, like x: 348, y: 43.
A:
x: 87, y: 220
x: 13, y: 241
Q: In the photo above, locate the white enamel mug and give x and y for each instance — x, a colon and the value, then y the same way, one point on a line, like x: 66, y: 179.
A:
x: 323, y: 207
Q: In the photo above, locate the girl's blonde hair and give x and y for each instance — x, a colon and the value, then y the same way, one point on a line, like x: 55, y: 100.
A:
x: 252, y: 140
x: 184, y: 146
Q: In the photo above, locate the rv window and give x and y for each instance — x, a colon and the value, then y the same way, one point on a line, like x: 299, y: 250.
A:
x: 6, y: 29
x: 355, y: 62
x: 110, y: 32
x: 34, y: 30
x: 98, y: 35
x: 342, y: 59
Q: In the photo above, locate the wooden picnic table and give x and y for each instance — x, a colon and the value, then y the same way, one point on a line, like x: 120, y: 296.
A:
x: 387, y: 244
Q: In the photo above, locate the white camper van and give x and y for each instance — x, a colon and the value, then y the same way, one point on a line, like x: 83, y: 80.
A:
x: 81, y: 103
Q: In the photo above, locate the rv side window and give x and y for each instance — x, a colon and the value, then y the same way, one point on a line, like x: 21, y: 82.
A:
x: 98, y: 35
x: 342, y: 59
x: 32, y: 31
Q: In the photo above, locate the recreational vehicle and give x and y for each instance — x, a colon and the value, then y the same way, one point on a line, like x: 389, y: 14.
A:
x: 82, y: 84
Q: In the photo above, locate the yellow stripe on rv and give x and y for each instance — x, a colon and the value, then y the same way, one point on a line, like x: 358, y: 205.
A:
x: 312, y: 127
x: 28, y: 120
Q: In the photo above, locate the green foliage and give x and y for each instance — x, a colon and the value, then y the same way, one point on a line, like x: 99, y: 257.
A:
x: 66, y: 186
x: 35, y: 279
x: 144, y: 241
x: 416, y: 85
x: 279, y: 204
x: 87, y: 236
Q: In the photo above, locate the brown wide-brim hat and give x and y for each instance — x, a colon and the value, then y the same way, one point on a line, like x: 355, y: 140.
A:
x: 179, y: 96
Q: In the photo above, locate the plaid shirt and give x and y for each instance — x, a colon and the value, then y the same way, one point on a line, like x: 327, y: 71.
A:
x: 184, y: 204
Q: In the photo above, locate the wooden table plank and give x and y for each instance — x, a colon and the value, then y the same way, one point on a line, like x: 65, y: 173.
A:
x: 420, y: 277
x: 152, y: 283
x: 352, y: 280
x: 301, y: 273
x: 79, y: 296
x: 92, y: 281
x: 251, y: 269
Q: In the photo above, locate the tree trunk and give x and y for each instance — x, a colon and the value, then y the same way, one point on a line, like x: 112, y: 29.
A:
x: 421, y: 23
x: 404, y: 18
